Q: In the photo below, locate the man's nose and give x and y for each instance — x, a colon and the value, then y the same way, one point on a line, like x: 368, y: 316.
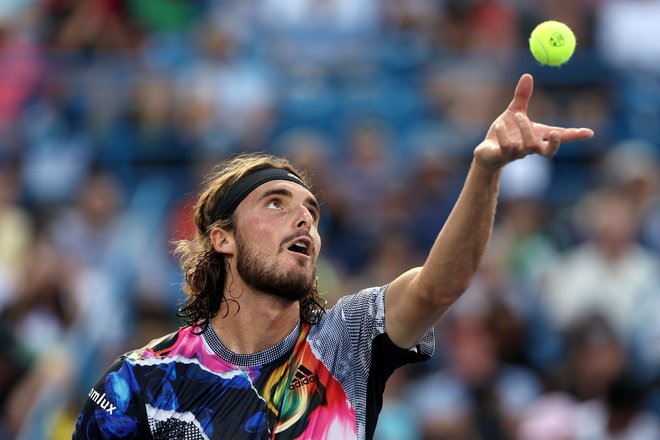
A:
x: 305, y: 219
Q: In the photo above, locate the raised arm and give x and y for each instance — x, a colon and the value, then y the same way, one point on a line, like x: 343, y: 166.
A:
x: 418, y: 298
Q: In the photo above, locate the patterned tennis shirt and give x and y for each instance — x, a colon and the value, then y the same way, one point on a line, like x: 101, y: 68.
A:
x: 323, y: 381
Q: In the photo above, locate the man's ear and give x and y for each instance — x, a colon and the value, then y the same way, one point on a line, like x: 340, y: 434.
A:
x: 223, y: 241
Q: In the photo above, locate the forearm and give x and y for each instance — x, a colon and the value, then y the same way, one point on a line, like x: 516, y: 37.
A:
x: 460, y: 245
x: 419, y: 297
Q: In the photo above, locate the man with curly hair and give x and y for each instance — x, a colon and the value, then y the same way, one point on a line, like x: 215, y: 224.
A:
x: 260, y: 357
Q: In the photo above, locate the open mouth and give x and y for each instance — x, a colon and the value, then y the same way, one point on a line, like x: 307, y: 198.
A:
x: 301, y: 246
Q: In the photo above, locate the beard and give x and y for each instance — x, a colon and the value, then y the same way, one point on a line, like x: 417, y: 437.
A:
x: 265, y: 278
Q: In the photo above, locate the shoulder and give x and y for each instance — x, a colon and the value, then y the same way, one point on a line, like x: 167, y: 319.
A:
x: 365, y: 306
x: 355, y: 317
x: 176, y: 343
x: 364, y: 299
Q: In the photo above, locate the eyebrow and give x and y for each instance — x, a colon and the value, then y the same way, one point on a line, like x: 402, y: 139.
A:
x: 285, y: 192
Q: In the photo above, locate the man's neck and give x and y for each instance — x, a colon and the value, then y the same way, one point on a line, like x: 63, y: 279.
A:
x: 261, y: 322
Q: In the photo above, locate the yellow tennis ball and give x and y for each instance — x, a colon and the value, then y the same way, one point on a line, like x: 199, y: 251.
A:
x: 552, y: 43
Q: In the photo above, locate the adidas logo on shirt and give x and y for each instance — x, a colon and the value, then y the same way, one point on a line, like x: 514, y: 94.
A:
x: 303, y: 377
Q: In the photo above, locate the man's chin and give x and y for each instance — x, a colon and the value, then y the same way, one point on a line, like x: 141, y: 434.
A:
x: 294, y: 291
x: 290, y: 296
x: 292, y: 288
x: 291, y: 283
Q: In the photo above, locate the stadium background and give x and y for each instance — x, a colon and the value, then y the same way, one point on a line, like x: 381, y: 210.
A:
x: 111, y: 111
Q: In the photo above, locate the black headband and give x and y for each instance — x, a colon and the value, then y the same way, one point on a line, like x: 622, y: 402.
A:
x: 245, y: 185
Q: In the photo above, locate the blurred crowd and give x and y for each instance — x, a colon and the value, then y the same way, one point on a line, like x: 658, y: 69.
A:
x: 112, y: 111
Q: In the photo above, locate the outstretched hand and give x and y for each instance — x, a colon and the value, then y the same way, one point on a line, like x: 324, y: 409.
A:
x: 513, y: 135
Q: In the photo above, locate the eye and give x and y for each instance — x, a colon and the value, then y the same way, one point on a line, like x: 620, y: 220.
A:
x: 274, y: 204
x: 315, y: 214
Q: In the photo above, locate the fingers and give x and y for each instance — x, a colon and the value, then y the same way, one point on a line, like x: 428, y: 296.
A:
x: 509, y: 151
x: 518, y: 137
x: 552, y: 146
x: 576, y: 134
x: 515, y: 141
x: 522, y: 140
x: 522, y: 94
x: 566, y: 134
x: 529, y: 142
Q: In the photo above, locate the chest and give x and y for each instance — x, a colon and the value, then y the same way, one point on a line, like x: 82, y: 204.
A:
x: 294, y: 398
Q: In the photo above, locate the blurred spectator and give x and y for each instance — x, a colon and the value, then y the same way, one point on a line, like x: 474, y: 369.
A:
x: 164, y: 15
x: 595, y: 357
x: 227, y: 95
x: 523, y: 220
x: 610, y: 398
x: 363, y: 184
x: 619, y: 416
x: 460, y: 98
x: 493, y: 25
x: 550, y: 417
x: 149, y: 128
x: 478, y: 25
x: 16, y: 233
x: 430, y: 191
x: 55, y: 145
x: 633, y: 167
x: 328, y: 32
x: 609, y: 274
x: 476, y: 396
x: 87, y: 27
x: 397, y: 420
x: 46, y: 304
x: 415, y: 17
x: 627, y: 32
x: 22, y: 67
x: 381, y: 268
x: 557, y: 416
x: 15, y: 362
x: 84, y: 234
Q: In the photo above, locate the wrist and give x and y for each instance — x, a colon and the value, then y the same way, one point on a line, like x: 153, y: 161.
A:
x: 485, y: 172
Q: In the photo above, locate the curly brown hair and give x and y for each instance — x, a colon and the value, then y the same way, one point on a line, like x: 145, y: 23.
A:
x: 204, y: 269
